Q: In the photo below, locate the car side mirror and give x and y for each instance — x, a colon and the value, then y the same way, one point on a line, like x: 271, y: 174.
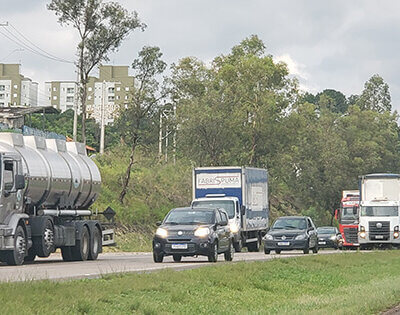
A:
x: 243, y: 209
x: 19, y: 182
x: 158, y: 223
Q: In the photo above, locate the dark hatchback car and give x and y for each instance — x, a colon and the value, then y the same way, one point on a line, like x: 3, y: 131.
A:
x: 329, y: 237
x: 192, y: 232
x: 289, y: 233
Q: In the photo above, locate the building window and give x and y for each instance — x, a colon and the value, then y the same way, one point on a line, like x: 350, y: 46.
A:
x: 1, y: 96
x: 1, y: 104
x: 117, y: 97
x: 127, y: 88
x: 2, y: 87
x: 15, y: 86
x: 70, y: 99
x: 111, y: 90
x: 111, y: 98
x: 54, y: 97
x: 89, y: 97
x: 126, y: 97
x: 15, y: 95
x: 118, y: 88
x: 54, y: 89
x: 70, y: 90
x: 90, y: 89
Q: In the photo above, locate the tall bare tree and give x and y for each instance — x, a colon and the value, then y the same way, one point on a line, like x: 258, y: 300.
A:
x: 134, y: 119
x: 102, y: 27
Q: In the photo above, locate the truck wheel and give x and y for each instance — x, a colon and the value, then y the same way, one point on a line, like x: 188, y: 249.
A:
x: 177, y: 258
x: 213, y: 256
x: 315, y: 249
x: 267, y: 251
x: 307, y: 249
x: 95, y: 244
x: 238, y: 246
x: 228, y: 255
x: 278, y: 251
x: 66, y: 253
x: 44, y: 244
x: 81, y: 249
x: 253, y: 246
x: 16, y: 256
x: 158, y: 258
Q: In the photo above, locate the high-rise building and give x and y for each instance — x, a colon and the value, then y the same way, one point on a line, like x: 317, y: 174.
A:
x: 61, y: 94
x: 15, y: 89
x: 105, y: 94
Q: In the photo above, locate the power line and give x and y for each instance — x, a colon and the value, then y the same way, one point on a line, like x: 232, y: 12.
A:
x: 20, y: 43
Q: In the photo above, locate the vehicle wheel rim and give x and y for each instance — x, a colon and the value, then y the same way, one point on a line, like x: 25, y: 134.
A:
x: 95, y: 244
x: 48, y: 238
x: 20, y: 245
x: 85, y: 245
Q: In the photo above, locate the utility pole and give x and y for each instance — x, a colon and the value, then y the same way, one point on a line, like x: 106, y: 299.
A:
x: 160, y: 138
x: 77, y: 93
x: 102, y: 127
x: 174, y: 136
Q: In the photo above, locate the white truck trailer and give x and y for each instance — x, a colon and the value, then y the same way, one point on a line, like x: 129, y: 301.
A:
x: 379, y: 219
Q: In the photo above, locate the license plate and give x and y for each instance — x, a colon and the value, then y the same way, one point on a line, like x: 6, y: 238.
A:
x: 322, y: 243
x: 179, y: 246
x: 283, y: 243
x: 379, y: 237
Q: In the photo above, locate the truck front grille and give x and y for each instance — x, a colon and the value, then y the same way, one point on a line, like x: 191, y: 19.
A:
x: 379, y: 230
x: 351, y: 235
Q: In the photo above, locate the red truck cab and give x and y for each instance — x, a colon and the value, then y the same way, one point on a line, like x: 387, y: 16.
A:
x: 347, y: 216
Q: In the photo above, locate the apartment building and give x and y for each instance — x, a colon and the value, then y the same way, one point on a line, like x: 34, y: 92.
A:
x: 16, y: 89
x: 60, y: 94
x: 105, y: 93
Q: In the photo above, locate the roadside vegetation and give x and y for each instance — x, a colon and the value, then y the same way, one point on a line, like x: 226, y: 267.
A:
x: 349, y: 283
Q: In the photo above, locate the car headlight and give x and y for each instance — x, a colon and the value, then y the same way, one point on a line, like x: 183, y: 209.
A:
x: 333, y: 238
x: 163, y: 233
x: 300, y: 237
x: 269, y: 237
x: 234, y: 227
x: 202, y: 232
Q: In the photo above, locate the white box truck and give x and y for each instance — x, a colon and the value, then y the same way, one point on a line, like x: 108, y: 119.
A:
x: 379, y: 210
x: 243, y: 193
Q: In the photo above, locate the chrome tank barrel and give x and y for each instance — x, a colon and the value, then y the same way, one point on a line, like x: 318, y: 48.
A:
x: 58, y: 174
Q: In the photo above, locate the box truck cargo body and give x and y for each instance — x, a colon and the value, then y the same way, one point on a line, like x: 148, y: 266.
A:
x: 243, y: 193
x: 379, y: 210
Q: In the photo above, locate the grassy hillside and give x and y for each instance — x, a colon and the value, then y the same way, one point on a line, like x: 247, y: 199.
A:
x: 350, y: 283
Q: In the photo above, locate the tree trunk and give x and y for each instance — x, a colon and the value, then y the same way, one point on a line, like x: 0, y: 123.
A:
x: 127, y: 174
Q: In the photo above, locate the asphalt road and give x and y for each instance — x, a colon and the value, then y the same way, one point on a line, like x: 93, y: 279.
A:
x: 53, y: 267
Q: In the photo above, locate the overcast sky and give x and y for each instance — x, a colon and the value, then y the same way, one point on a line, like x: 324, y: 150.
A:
x: 335, y: 44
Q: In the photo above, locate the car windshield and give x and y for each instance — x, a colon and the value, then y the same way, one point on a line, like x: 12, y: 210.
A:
x: 382, y: 211
x: 190, y: 216
x: 286, y: 223
x: 326, y: 230
x: 227, y: 205
x: 347, y: 213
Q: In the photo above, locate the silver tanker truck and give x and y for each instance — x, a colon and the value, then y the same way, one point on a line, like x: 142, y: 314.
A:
x: 46, y: 188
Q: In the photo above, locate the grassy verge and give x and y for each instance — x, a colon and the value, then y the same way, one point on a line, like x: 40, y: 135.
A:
x: 347, y: 283
x: 132, y: 239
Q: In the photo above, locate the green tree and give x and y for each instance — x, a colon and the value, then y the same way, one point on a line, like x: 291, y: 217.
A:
x: 135, y: 119
x: 332, y: 100
x: 102, y: 27
x: 376, y: 95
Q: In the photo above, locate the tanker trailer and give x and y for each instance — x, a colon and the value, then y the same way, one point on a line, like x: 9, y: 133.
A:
x: 46, y: 189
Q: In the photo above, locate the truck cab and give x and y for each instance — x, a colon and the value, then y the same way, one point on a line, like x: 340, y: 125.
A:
x: 379, y: 219
x: 348, y: 217
x: 230, y: 205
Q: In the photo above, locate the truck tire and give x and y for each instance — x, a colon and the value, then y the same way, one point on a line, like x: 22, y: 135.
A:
x: 66, y: 253
x: 238, y: 246
x: 44, y: 244
x: 16, y: 256
x: 80, y: 251
x: 177, y: 258
x: 213, y: 255
x: 158, y: 258
x: 267, y: 251
x: 95, y: 244
x: 228, y: 255
x: 315, y: 249
x: 278, y: 251
x: 253, y: 246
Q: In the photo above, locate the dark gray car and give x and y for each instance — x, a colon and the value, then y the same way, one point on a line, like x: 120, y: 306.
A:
x: 192, y: 232
x: 289, y: 233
